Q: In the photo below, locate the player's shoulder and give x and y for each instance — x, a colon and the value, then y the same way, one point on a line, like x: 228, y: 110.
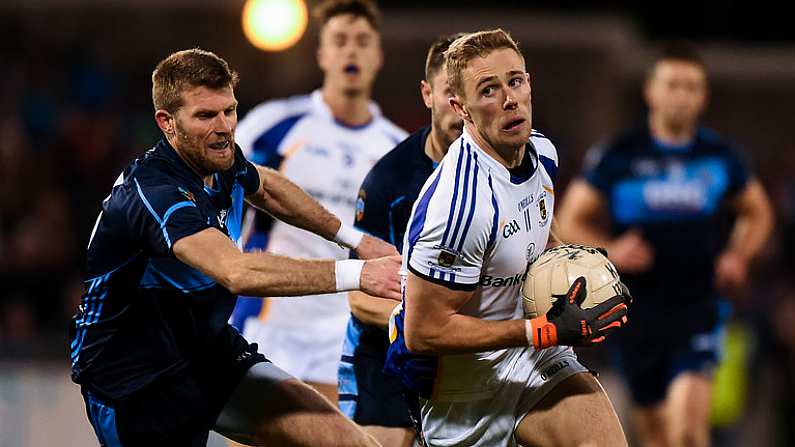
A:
x: 404, y: 154
x: 710, y: 140
x: 272, y: 113
x: 544, y: 146
x: 390, y: 129
x: 275, y: 110
x: 628, y: 141
x: 388, y: 176
x: 463, y: 178
x: 610, y: 151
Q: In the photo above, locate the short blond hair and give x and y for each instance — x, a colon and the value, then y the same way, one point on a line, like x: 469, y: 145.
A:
x: 469, y: 46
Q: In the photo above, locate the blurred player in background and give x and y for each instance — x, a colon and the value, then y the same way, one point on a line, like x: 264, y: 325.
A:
x: 150, y: 344
x: 325, y: 142
x: 366, y: 395
x: 657, y: 197
x: 485, y: 375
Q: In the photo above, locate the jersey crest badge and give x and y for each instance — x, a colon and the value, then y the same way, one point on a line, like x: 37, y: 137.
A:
x: 542, y: 209
x: 188, y: 195
x: 360, y: 205
x: 447, y: 257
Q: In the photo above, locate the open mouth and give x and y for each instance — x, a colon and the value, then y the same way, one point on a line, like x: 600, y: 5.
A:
x: 351, y: 69
x: 221, y: 145
x: 513, y: 125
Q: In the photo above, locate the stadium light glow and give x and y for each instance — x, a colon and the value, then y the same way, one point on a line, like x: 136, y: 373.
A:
x: 274, y: 25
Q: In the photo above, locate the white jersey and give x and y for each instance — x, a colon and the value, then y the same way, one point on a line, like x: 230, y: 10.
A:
x: 327, y: 159
x: 477, y: 228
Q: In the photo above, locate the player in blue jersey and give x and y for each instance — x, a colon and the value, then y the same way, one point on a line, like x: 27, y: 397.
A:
x: 658, y: 198
x: 367, y: 396
x: 150, y: 344
x: 485, y: 375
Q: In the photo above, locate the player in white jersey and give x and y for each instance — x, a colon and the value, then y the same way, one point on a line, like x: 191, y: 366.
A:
x: 485, y: 375
x: 325, y: 142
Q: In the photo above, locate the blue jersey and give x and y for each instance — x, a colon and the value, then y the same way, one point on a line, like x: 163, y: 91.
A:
x: 145, y: 314
x: 391, y: 187
x: 386, y: 197
x: 676, y: 197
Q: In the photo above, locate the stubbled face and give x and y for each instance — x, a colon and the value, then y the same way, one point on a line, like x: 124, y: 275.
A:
x: 676, y: 92
x: 203, y: 129
x: 496, y: 100
x: 349, y: 54
x: 436, y: 96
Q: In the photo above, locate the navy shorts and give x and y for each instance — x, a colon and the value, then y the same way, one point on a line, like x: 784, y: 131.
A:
x: 651, y: 361
x: 366, y: 394
x: 178, y: 410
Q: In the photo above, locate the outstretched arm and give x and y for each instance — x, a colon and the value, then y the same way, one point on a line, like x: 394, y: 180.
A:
x: 263, y: 274
x: 287, y: 202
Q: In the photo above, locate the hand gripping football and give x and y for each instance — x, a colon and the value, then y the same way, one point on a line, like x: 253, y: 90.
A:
x: 551, y: 275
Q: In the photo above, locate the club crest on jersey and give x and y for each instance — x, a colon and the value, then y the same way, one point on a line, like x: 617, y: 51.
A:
x: 360, y: 205
x: 542, y: 210
x: 447, y: 257
x: 188, y: 195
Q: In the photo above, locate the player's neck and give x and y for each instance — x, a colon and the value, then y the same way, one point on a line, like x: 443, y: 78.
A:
x: 206, y: 178
x: 435, y: 145
x: 352, y: 110
x: 669, y: 133
x: 510, y: 157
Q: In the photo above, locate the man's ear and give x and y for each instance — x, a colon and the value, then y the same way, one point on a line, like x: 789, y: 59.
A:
x: 459, y: 108
x: 165, y: 121
x: 427, y: 94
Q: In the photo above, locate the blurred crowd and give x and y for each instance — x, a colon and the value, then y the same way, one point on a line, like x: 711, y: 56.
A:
x: 66, y: 134
x: 69, y: 123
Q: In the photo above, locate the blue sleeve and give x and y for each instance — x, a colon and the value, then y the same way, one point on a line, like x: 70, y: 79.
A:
x: 161, y: 214
x: 372, y: 209
x: 598, y: 168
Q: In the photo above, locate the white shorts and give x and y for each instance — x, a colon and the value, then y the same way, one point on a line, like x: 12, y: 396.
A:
x: 311, y: 356
x: 529, y: 376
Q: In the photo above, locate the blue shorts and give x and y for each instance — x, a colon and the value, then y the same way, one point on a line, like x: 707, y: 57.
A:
x: 651, y: 361
x: 177, y: 410
x: 366, y: 394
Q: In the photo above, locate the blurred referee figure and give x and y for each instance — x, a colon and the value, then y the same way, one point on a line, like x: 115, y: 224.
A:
x: 157, y: 362
x: 324, y: 142
x: 658, y: 197
x: 366, y: 395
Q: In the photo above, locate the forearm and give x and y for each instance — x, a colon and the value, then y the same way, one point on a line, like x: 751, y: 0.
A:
x: 463, y: 333
x: 264, y: 274
x: 749, y: 235
x: 371, y: 310
x: 287, y: 202
x: 754, y: 221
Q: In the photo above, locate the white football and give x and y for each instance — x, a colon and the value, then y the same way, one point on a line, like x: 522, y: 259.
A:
x: 556, y: 269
